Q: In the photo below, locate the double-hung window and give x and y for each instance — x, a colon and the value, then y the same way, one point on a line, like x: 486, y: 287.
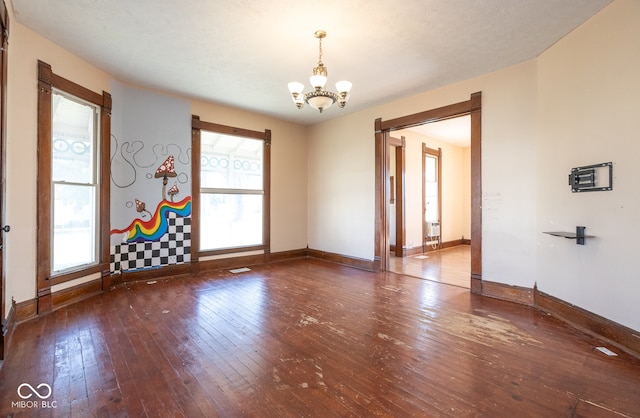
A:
x: 75, y: 190
x: 233, y: 197
x: 73, y: 182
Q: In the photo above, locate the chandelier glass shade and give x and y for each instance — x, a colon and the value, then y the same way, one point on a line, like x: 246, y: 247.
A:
x: 320, y: 98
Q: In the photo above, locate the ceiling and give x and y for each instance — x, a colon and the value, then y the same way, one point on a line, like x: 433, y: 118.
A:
x: 456, y: 131
x: 242, y: 53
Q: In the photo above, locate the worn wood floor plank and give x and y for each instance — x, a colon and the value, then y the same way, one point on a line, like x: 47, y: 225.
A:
x: 308, y: 338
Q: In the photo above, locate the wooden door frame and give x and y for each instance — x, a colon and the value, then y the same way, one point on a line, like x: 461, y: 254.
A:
x: 400, y: 145
x: 4, y: 35
x: 472, y: 107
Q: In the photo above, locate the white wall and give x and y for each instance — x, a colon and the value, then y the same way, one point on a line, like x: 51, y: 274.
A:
x: 589, y: 84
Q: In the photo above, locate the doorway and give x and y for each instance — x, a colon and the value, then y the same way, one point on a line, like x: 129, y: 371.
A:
x: 383, y: 129
x: 436, y: 202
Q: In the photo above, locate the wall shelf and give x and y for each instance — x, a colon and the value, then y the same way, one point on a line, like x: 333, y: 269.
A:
x: 579, y: 235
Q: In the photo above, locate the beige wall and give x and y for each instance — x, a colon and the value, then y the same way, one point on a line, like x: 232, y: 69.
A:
x: 341, y: 158
x: 288, y: 170
x: 589, y: 86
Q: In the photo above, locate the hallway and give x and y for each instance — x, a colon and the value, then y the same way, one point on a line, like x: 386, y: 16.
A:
x: 449, y: 266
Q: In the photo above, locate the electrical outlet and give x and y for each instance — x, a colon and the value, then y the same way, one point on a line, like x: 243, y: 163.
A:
x: 172, y: 259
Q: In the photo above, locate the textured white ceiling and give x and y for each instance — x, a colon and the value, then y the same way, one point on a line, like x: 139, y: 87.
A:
x: 242, y: 53
x: 456, y: 131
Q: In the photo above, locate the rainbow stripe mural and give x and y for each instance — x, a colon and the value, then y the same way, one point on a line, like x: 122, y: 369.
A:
x: 154, y: 228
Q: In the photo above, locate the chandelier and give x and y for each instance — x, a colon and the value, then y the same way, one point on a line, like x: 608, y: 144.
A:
x: 320, y: 98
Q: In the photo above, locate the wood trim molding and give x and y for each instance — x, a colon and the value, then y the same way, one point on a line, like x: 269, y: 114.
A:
x: 521, y: 295
x: 476, y: 285
x: 618, y: 335
x: 195, y: 186
x: 400, y: 145
x: 47, y: 81
x: 234, y: 262
x: 196, y: 123
x: 346, y: 260
x: 381, y: 218
x: 19, y: 312
x: 438, y: 154
x: 432, y: 115
x: 4, y: 59
x: 472, y: 107
x: 76, y: 293
x: 476, y: 185
x: 197, y: 126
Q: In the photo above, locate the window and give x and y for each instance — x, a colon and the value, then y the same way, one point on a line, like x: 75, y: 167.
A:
x: 75, y: 188
x: 73, y: 182
x: 231, y: 211
x: 431, y: 188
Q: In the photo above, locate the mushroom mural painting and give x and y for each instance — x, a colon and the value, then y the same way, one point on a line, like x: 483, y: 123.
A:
x: 150, y: 141
x: 173, y: 191
x: 141, y: 207
x: 165, y: 171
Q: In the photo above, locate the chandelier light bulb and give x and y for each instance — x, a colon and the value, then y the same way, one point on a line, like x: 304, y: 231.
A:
x: 318, y: 81
x: 295, y: 87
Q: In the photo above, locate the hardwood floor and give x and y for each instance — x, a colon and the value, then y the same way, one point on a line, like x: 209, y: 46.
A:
x: 449, y: 266
x: 307, y: 338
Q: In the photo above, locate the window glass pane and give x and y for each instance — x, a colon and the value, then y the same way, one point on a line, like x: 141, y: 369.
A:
x: 430, y: 168
x: 431, y: 188
x: 74, y: 227
x: 230, y: 220
x: 230, y: 162
x: 74, y: 126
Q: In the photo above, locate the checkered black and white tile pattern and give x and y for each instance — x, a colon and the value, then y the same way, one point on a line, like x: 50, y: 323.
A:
x: 174, y: 247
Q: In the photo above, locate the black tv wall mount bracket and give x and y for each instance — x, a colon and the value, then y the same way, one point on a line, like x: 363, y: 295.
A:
x: 592, y: 178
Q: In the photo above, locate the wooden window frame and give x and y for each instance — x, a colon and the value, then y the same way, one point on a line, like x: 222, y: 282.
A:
x: 197, y: 126
x: 436, y: 153
x: 47, y: 82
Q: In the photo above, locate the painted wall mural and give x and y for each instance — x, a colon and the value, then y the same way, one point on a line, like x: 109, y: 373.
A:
x: 150, y: 180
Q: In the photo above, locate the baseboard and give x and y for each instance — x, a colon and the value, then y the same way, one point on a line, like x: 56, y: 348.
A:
x: 624, y: 338
x: 354, y: 262
x: 114, y: 280
x: 19, y: 312
x: 408, y: 252
x: 75, y: 294
x: 521, y: 295
x: 24, y: 310
x: 287, y: 255
x: 454, y: 243
x: 618, y: 335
